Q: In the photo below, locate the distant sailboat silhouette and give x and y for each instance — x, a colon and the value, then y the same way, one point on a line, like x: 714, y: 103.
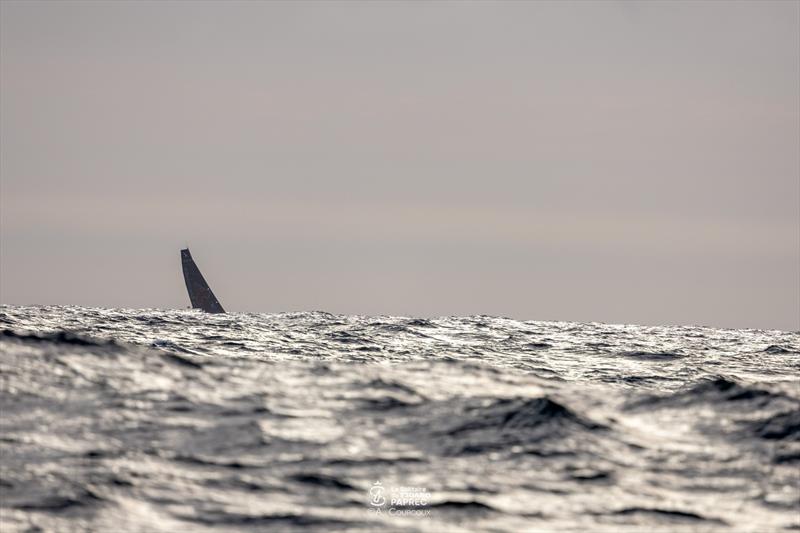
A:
x: 199, y: 292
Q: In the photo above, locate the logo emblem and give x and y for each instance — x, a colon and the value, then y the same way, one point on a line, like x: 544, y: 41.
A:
x: 376, y: 495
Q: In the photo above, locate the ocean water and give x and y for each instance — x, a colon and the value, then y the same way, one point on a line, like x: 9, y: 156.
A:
x: 163, y: 420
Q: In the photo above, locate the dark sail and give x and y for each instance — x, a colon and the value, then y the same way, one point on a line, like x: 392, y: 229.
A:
x: 199, y: 292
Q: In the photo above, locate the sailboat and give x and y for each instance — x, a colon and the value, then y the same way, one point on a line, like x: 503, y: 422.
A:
x: 199, y: 292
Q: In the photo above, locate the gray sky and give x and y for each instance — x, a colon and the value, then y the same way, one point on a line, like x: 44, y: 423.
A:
x: 595, y: 161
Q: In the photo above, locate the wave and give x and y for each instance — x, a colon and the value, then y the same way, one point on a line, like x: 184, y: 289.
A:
x: 670, y: 515
x: 721, y: 388
x: 717, y: 389
x: 420, y: 323
x: 652, y: 356
x: 76, y: 497
x: 519, y: 414
x: 56, y: 337
x: 387, y: 403
x: 347, y: 338
x: 781, y: 426
x: 170, y: 346
x: 321, y: 480
x: 538, y: 345
x: 481, y: 425
x: 208, y: 461
x: 182, y: 361
x: 471, y: 506
x: 280, y: 522
x: 391, y: 385
x: 779, y: 350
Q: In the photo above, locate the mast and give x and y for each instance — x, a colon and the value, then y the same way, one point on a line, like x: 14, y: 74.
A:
x: 199, y: 292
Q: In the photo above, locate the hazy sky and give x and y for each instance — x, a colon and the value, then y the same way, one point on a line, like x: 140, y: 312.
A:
x: 593, y: 161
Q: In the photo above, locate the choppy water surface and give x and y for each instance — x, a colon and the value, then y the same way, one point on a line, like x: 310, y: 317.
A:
x: 151, y: 420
